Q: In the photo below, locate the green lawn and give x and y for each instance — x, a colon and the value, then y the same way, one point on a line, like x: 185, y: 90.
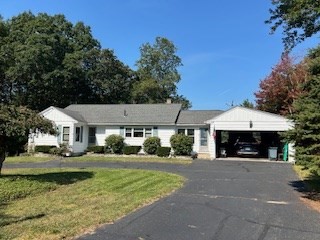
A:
x: 26, y: 159
x: 56, y: 204
x: 88, y: 158
x: 102, y: 158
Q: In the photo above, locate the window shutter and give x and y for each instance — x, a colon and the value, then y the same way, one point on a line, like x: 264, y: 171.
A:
x: 122, y: 131
x: 155, y: 131
x: 59, y: 129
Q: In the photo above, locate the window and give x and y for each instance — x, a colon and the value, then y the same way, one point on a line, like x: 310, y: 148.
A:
x: 128, y: 132
x: 181, y: 131
x: 204, y: 136
x: 148, y: 132
x: 65, y: 134
x: 190, y: 133
x: 92, y: 135
x: 138, y: 132
x: 79, y: 134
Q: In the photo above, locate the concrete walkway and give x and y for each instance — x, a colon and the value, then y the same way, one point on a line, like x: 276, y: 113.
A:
x: 221, y: 200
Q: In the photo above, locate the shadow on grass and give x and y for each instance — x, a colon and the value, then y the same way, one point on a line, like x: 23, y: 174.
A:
x: 61, y: 178
x: 310, y: 187
x: 6, y: 220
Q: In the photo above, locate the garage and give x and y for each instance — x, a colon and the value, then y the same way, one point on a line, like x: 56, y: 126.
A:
x: 244, y: 132
x: 255, y: 144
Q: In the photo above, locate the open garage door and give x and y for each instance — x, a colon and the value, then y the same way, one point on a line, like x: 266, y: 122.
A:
x: 254, y: 144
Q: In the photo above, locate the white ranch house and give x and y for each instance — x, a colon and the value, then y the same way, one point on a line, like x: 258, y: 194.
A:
x: 82, y: 125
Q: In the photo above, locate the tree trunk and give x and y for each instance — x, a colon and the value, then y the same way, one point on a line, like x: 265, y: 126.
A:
x: 2, y: 151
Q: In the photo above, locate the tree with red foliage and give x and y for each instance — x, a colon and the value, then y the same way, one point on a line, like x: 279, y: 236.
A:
x: 282, y: 87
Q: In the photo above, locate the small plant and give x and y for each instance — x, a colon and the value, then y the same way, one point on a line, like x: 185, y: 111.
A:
x: 151, y: 145
x: 131, y: 149
x: 96, y: 149
x: 163, y: 151
x: 181, y: 144
x: 115, y: 143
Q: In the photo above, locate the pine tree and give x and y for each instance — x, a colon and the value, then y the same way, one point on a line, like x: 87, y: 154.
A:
x: 306, y: 133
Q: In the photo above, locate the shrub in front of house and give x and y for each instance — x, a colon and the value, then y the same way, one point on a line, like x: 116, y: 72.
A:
x: 151, y: 145
x: 115, y: 143
x: 163, y: 151
x: 131, y: 149
x: 43, y: 148
x: 181, y: 144
x: 96, y: 149
x: 61, y: 150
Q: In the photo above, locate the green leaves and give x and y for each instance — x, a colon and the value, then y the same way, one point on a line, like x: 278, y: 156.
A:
x: 18, y: 121
x: 158, y: 73
x: 306, y: 133
x: 299, y: 19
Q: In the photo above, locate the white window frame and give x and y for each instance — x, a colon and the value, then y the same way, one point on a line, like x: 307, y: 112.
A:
x: 128, y: 132
x: 131, y: 132
x: 138, y: 130
x: 148, y: 131
x: 64, y: 134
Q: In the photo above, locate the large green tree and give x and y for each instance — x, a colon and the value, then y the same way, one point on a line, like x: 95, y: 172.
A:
x: 158, y: 73
x: 306, y: 133
x: 111, y: 80
x: 299, y: 20
x: 19, y: 121
x: 46, y: 60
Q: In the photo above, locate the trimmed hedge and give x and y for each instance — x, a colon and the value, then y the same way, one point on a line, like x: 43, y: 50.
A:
x: 131, y: 149
x: 163, y: 151
x: 96, y: 149
x: 43, y: 148
x: 115, y: 143
x: 151, y: 145
x: 181, y: 144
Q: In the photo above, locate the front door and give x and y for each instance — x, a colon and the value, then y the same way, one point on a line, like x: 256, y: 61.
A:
x: 92, y: 136
x: 204, y: 139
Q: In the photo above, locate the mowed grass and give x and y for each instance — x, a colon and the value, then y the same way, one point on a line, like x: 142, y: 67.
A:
x: 102, y: 158
x: 61, y: 204
x: 27, y: 159
x: 145, y: 159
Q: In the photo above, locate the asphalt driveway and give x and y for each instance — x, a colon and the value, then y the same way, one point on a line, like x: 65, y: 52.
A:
x: 221, y: 200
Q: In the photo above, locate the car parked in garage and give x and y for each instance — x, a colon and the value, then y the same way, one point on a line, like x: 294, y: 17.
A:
x: 248, y: 149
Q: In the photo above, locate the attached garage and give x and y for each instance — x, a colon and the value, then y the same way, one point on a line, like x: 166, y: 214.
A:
x: 241, y: 126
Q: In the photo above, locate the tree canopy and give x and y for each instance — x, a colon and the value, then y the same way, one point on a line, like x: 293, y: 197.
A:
x: 19, y: 121
x: 300, y: 19
x: 282, y: 86
x: 46, y: 60
x: 158, y: 73
x: 246, y: 103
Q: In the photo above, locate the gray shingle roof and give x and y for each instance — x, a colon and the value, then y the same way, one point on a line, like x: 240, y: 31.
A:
x: 197, y: 116
x: 139, y: 114
x: 75, y: 115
